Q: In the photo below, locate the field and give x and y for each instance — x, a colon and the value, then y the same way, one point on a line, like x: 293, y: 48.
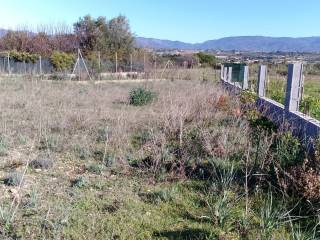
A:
x: 276, y: 87
x: 81, y: 161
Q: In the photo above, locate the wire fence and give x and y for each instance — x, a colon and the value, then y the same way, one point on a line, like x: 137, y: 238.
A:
x: 137, y: 66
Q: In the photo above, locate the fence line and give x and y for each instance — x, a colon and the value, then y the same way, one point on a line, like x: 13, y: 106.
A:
x: 286, y: 116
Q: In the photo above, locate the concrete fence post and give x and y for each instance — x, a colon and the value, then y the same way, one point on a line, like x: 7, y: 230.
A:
x: 225, y: 74
x: 229, y: 77
x: 222, y: 72
x: 262, y: 81
x: 245, y: 84
x: 294, y: 87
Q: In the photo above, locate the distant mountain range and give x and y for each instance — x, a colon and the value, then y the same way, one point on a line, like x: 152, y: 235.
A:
x: 246, y: 43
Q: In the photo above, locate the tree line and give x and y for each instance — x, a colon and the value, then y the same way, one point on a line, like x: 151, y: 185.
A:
x: 89, y: 34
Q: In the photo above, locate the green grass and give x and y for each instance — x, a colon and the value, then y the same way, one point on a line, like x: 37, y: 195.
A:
x: 128, y: 207
x: 310, y: 103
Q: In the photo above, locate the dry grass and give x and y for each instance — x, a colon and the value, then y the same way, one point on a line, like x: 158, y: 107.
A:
x: 87, y: 142
x: 69, y: 122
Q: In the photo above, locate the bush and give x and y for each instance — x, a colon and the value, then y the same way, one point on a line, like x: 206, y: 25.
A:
x: 42, y: 162
x: 287, y: 150
x: 206, y: 59
x: 23, y: 57
x: 79, y: 182
x: 95, y: 168
x: 82, y: 152
x: 62, y: 61
x: 140, y: 96
x: 3, y: 146
x: 13, y: 179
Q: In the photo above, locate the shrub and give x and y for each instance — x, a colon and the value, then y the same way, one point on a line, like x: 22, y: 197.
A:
x: 311, y: 106
x: 42, y: 162
x: 288, y: 150
x: 3, y: 146
x: 79, y: 182
x: 140, y: 96
x: 108, y: 159
x: 62, y: 61
x: 140, y: 138
x: 206, y: 59
x: 82, y: 152
x: 52, y: 143
x: 163, y: 195
x: 102, y: 134
x: 95, y: 168
x: 13, y: 179
x: 24, y: 57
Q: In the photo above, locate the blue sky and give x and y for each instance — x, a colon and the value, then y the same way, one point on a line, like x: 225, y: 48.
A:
x: 184, y: 20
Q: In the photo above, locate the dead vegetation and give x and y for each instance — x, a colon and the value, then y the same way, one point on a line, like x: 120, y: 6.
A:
x: 78, y: 161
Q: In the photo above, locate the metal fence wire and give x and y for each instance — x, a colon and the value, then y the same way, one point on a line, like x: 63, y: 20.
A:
x: 44, y: 66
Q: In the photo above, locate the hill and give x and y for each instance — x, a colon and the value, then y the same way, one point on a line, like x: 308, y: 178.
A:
x: 245, y: 43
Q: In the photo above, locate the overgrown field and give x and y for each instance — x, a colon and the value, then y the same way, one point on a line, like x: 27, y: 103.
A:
x: 159, y: 160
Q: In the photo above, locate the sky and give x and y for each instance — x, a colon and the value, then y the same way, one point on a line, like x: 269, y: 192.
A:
x: 184, y: 20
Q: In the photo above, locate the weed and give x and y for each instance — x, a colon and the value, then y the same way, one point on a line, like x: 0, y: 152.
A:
x: 3, y: 146
x: 95, y: 168
x: 163, y: 195
x: 287, y: 150
x: 79, y: 182
x: 140, y: 138
x: 82, y: 152
x: 32, y: 200
x: 102, y: 134
x: 13, y: 179
x: 43, y: 161
x: 52, y: 143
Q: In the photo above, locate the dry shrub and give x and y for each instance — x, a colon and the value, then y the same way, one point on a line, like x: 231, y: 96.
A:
x: 193, y: 125
x: 305, y: 181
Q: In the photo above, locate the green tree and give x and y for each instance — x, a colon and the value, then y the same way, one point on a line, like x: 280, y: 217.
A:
x: 206, y: 59
x: 120, y: 39
x: 89, y: 33
x: 108, y: 37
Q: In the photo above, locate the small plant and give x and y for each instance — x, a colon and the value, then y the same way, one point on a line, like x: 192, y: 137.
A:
x: 223, y: 176
x: 288, y: 149
x: 102, y: 134
x: 13, y: 179
x: 79, y: 182
x: 269, y: 217
x: 51, y: 142
x: 95, y: 168
x: 3, y: 146
x: 140, y: 96
x: 109, y: 160
x: 32, y: 200
x: 42, y: 162
x: 140, y: 138
x: 82, y: 152
x: 248, y: 97
x: 163, y: 195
